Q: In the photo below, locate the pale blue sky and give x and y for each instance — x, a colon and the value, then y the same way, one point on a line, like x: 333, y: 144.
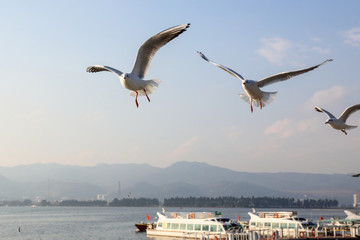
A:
x: 53, y: 111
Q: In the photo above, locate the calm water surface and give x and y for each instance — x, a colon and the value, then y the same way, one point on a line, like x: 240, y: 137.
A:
x: 104, y: 223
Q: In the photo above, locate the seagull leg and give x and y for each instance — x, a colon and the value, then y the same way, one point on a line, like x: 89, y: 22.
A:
x: 343, y: 130
x: 260, y: 104
x: 137, y: 104
x: 251, y: 108
x: 146, y: 95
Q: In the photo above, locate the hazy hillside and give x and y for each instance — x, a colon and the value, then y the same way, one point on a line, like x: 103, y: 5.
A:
x: 180, y: 179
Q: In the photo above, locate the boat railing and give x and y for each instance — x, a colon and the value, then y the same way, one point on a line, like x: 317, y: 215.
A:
x: 277, y: 214
x: 314, y: 233
x: 271, y: 234
x: 191, y: 215
x: 220, y: 236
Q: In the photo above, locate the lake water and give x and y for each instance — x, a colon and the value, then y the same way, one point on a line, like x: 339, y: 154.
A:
x: 104, y: 223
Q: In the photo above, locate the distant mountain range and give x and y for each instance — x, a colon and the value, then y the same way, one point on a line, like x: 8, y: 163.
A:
x: 182, y: 179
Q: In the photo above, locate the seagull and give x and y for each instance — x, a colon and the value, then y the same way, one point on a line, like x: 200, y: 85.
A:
x: 339, y: 123
x: 134, y: 81
x: 253, y: 93
x: 356, y: 175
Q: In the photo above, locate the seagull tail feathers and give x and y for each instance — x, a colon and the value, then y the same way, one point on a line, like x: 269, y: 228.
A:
x: 350, y: 127
x: 244, y: 97
x: 267, y: 98
x: 150, y: 86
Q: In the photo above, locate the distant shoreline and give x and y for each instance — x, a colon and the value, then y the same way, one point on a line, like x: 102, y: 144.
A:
x: 197, y: 202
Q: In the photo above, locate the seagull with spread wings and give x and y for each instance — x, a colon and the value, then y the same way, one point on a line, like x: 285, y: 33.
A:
x: 253, y: 93
x: 339, y: 123
x: 134, y: 81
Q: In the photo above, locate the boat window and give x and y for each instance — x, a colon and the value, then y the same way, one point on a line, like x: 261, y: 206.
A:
x: 267, y: 224
x: 299, y: 226
x: 213, y: 228
x: 190, y: 227
x: 159, y: 224
x: 292, y: 225
x: 182, y: 226
x: 197, y: 227
x: 283, y: 225
x: 220, y: 228
x: 205, y: 227
x: 253, y: 223
x: 175, y: 226
x: 259, y: 224
x: 165, y: 225
x: 275, y: 225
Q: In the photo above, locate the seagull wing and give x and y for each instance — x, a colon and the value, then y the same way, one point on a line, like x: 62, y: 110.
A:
x: 152, y: 45
x: 232, y: 72
x: 100, y: 68
x: 324, y: 111
x: 349, y: 111
x: 286, y: 75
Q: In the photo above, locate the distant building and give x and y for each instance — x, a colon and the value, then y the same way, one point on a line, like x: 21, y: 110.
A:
x: 100, y: 197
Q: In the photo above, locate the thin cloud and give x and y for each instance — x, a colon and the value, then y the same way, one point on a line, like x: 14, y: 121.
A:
x: 286, y: 128
x: 282, y: 128
x: 328, y: 96
x: 352, y: 37
x: 185, y: 148
x: 275, y: 50
x: 232, y: 132
x: 320, y: 50
x: 281, y: 51
x: 38, y: 113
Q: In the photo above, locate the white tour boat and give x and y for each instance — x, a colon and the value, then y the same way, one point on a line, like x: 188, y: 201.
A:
x: 196, y: 225
x: 283, y: 224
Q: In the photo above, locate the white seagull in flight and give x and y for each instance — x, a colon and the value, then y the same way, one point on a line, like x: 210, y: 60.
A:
x: 252, y: 88
x: 339, y: 123
x: 134, y: 81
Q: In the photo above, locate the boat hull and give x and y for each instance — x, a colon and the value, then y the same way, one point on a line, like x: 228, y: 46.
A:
x: 141, y: 227
x: 153, y: 233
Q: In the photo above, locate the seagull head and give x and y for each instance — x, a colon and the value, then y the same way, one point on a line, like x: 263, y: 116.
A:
x: 248, y: 82
x: 329, y: 121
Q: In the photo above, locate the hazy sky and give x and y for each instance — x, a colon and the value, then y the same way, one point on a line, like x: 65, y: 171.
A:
x: 53, y: 111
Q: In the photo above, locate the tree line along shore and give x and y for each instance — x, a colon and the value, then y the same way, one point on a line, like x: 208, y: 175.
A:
x: 220, y: 202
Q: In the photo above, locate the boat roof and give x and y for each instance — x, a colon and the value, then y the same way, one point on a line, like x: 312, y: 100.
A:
x: 283, y: 215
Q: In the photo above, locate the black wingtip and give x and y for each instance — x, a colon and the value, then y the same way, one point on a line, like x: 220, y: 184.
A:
x: 317, y: 109
x: 203, y: 56
x: 90, y: 69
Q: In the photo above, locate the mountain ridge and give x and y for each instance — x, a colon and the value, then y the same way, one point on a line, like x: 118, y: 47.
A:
x: 179, y: 179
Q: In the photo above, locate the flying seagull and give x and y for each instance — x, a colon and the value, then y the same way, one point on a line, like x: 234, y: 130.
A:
x: 134, y: 81
x: 339, y: 123
x: 253, y: 94
x: 356, y: 175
